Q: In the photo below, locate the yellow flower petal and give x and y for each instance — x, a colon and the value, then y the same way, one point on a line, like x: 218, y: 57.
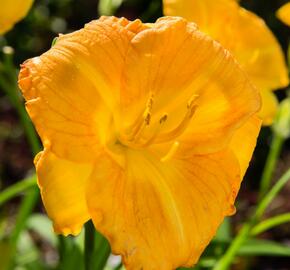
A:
x: 11, y: 12
x: 269, y: 108
x: 283, y: 13
x: 217, y: 115
x: 244, y: 141
x: 71, y: 90
x: 208, y: 77
x: 114, y: 96
x: 62, y: 184
x: 163, y: 217
x: 261, y: 57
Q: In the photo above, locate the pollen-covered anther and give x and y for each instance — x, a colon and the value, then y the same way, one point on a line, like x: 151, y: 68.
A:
x: 143, y: 120
x: 148, y: 110
x: 147, y: 119
x: 163, y: 118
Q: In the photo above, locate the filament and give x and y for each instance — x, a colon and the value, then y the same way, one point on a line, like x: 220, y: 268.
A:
x: 171, y: 152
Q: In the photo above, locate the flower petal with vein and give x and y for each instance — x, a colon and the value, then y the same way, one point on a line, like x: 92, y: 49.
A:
x: 142, y: 127
x: 11, y: 12
x: 247, y: 37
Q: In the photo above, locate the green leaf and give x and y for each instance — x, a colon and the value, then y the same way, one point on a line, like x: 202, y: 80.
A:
x: 270, y: 223
x: 17, y: 188
x: 257, y: 247
x: 54, y: 41
x: 5, y: 251
x: 97, y: 248
x: 109, y: 7
x: 71, y: 256
x: 102, y: 252
x: 270, y: 196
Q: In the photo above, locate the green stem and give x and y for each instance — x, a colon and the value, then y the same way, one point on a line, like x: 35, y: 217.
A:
x: 269, y: 197
x: 226, y: 260
x: 17, y: 188
x: 97, y: 248
x: 89, y: 245
x: 270, y: 223
x: 270, y: 165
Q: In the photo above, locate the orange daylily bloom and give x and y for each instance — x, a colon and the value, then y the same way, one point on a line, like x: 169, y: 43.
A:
x: 142, y: 127
x: 246, y: 36
x: 283, y: 14
x: 11, y: 12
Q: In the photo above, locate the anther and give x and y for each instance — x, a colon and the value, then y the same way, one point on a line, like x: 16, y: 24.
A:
x: 143, y: 120
x: 147, y: 119
x: 163, y: 118
x: 191, y: 101
x: 179, y: 129
x: 157, y: 131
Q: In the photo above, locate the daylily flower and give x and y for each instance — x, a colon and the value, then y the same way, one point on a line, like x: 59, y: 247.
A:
x: 247, y: 37
x: 283, y: 13
x: 147, y: 130
x: 11, y: 12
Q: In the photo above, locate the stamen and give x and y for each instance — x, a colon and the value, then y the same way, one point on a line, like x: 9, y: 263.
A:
x: 156, y: 132
x: 191, y: 101
x: 168, y: 136
x: 143, y: 119
x: 171, y: 152
x: 137, y: 139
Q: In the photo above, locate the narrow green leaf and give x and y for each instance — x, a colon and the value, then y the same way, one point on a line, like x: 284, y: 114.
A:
x: 6, y: 254
x: 97, y: 248
x: 71, y: 256
x: 270, y: 196
x: 270, y: 223
x: 258, y: 247
x: 17, y: 188
x: 102, y: 251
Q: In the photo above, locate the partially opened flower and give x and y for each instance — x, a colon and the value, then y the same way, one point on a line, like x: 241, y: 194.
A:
x: 247, y: 37
x: 283, y: 13
x: 12, y: 11
x: 142, y: 127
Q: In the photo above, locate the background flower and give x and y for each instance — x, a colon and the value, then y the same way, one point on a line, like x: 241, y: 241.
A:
x: 11, y: 12
x: 247, y: 37
x: 284, y: 14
